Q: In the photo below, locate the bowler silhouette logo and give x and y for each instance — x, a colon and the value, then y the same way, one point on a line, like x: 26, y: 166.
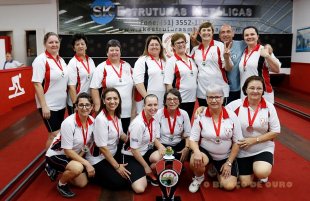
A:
x: 18, y: 90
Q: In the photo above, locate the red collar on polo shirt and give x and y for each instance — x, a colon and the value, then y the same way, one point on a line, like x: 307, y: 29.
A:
x: 80, y: 58
x: 225, y: 113
x: 78, y: 120
x: 201, y: 45
x: 166, y: 113
x: 108, y: 62
x: 179, y: 58
x: 262, y: 102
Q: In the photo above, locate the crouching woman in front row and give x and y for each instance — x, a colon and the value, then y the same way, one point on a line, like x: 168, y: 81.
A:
x: 68, y: 149
x: 214, y: 138
x: 111, y: 172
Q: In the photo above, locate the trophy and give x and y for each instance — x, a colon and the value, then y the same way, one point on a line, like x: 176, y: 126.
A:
x: 168, y: 170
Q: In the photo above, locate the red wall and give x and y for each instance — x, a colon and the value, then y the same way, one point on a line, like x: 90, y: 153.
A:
x: 8, y: 100
x: 300, y: 77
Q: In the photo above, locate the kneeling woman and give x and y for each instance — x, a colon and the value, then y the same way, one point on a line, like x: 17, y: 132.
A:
x: 108, y: 130
x: 143, y: 136
x: 175, y: 125
x: 260, y: 126
x: 214, y: 138
x: 66, y: 153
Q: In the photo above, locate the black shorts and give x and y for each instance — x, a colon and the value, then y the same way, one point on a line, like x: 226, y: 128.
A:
x: 246, y: 164
x: 218, y: 164
x: 54, y: 122
x: 70, y: 109
x: 134, y: 167
x: 147, y: 155
x: 108, y: 177
x: 58, y: 162
x: 189, y: 108
x: 178, y: 147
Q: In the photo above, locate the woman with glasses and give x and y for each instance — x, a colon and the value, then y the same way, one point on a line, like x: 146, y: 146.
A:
x: 116, y: 73
x: 81, y: 68
x: 70, y: 146
x: 181, y: 73
x: 175, y: 125
x: 110, y: 171
x: 148, y: 73
x: 214, y: 138
x: 50, y: 80
x: 213, y: 60
x: 260, y: 126
x: 256, y: 60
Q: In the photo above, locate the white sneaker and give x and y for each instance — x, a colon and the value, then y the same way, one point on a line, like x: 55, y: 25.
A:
x: 194, y: 186
x: 212, y: 171
x: 264, y: 180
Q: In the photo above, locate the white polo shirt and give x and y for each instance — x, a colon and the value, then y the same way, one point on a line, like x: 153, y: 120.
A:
x: 79, y: 75
x: 203, y: 131
x: 53, y: 79
x: 11, y: 64
x: 71, y: 136
x: 181, y: 130
x: 104, y: 76
x: 181, y: 77
x: 155, y: 77
x: 139, y: 134
x: 266, y: 121
x: 212, y: 70
x: 106, y: 134
x: 251, y: 68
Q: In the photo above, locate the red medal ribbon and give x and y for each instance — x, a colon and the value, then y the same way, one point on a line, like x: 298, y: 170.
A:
x: 81, y: 60
x: 218, y: 128
x: 114, y: 121
x: 149, y: 125
x: 121, y: 69
x: 204, y: 56
x: 171, y: 127
x: 57, y: 63
x: 246, y: 56
x: 161, y: 64
x: 78, y: 120
x: 180, y: 59
x: 251, y: 121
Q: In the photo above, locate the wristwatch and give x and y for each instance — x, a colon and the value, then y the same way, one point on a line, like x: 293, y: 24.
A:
x: 229, y: 163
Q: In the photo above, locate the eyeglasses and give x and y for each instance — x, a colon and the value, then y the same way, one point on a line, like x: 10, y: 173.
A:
x: 81, y: 106
x: 172, y: 99
x: 217, y: 98
x: 180, y: 43
x: 257, y: 89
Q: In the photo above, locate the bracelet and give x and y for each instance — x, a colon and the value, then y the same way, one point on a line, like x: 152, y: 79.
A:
x: 119, y: 165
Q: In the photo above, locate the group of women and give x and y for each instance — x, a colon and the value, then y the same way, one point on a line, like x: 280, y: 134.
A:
x: 148, y: 108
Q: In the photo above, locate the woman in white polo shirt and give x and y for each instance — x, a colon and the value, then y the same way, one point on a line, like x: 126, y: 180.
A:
x: 260, y: 126
x: 66, y: 153
x: 140, y: 153
x: 214, y: 138
x: 148, y: 73
x: 116, y: 73
x: 175, y: 125
x: 256, y: 60
x: 81, y: 68
x: 50, y: 80
x: 111, y: 172
x: 213, y: 60
x: 181, y: 73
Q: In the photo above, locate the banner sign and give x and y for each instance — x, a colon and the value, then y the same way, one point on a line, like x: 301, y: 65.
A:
x: 159, y: 17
